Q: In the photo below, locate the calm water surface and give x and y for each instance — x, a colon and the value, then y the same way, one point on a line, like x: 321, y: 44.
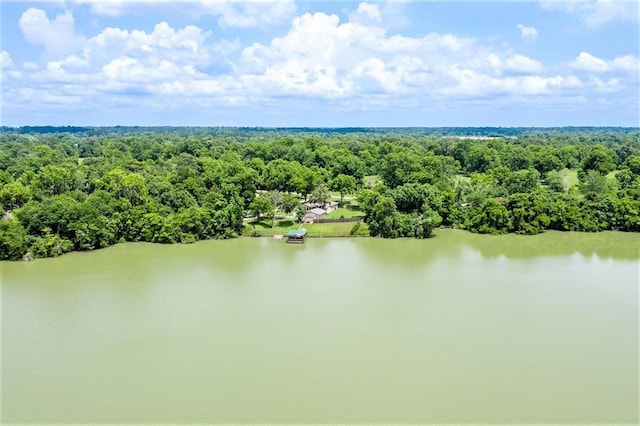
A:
x: 457, y: 328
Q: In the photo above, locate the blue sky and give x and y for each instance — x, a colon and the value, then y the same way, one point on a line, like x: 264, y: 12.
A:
x: 342, y: 63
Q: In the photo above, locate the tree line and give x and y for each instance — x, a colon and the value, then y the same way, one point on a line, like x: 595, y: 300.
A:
x: 63, y: 190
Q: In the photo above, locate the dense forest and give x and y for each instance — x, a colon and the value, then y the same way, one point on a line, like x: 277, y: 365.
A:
x: 82, y: 188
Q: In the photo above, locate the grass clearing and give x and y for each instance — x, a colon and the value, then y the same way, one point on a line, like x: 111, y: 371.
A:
x: 338, y: 213
x: 371, y: 181
x: 462, y: 178
x: 338, y: 229
x: 335, y: 196
x: 570, y: 177
x: 611, y: 176
x: 281, y: 227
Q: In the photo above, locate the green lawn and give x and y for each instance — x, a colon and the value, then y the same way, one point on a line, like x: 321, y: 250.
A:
x: 612, y: 175
x: 371, y: 181
x: 338, y: 213
x: 341, y: 229
x: 462, y: 178
x: 570, y: 177
x: 281, y: 226
x: 335, y: 196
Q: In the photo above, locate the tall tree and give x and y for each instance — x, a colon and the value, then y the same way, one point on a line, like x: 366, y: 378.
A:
x: 344, y: 184
x: 261, y: 205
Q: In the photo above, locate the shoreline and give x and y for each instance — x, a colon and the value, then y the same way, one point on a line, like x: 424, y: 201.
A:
x: 434, y: 236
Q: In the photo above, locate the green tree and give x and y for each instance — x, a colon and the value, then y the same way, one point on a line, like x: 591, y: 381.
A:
x: 50, y: 245
x: 383, y: 220
x: 276, y: 200
x: 54, y: 215
x: 491, y: 218
x: 547, y: 161
x: 14, y: 195
x: 320, y: 194
x: 522, y: 181
x: 518, y: 158
x: 564, y: 213
x: 277, y: 175
x: 481, y: 158
x: 528, y: 213
x: 398, y: 168
x: 594, y: 185
x: 12, y: 239
x: 632, y: 163
x: 130, y: 186
x: 555, y: 181
x: 425, y: 222
x: 289, y: 203
x: 600, y: 159
x: 261, y: 206
x: 344, y: 184
x: 414, y: 197
x: 367, y: 199
x: 300, y: 213
x: 344, y: 162
x: 54, y: 180
x: 305, y: 180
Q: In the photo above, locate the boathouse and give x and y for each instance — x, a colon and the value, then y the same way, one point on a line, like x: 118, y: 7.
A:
x: 297, y: 236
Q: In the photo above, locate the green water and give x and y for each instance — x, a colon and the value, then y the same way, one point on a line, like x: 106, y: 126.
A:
x: 457, y: 328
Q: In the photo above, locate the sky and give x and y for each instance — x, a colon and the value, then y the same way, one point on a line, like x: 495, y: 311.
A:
x: 292, y: 63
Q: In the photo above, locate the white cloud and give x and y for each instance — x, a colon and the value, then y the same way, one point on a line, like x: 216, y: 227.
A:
x: 230, y: 13
x: 319, y: 57
x: 71, y: 63
x: 472, y: 84
x: 595, y: 14
x: 357, y: 60
x: 164, y: 42
x: 358, y: 64
x: 628, y: 63
x: 366, y: 12
x: 611, y: 85
x: 58, y: 36
x: 130, y: 70
x: 605, y: 11
x: 5, y: 59
x: 528, y: 33
x: 30, y: 66
x: 523, y: 64
x: 587, y: 62
x: 111, y: 8
x: 374, y: 76
x: 244, y: 14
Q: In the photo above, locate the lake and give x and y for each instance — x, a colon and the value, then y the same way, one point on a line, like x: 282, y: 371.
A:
x: 456, y: 328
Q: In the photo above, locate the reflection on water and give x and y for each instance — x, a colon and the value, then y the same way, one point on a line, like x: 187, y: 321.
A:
x: 456, y: 328
x: 613, y: 245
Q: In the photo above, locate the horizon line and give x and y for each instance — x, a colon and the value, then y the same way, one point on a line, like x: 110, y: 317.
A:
x: 318, y: 127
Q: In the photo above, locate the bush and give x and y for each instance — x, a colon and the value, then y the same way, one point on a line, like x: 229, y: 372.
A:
x: 50, y: 246
x: 358, y: 230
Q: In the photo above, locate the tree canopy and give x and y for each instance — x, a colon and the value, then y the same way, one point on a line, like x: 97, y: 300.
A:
x: 83, y: 188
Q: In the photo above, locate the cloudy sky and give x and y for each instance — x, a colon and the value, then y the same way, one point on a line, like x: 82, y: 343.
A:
x: 342, y: 63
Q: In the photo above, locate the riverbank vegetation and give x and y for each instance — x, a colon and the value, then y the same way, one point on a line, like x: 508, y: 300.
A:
x: 66, y: 189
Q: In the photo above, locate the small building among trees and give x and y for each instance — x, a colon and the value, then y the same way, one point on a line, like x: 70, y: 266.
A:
x: 314, y: 214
